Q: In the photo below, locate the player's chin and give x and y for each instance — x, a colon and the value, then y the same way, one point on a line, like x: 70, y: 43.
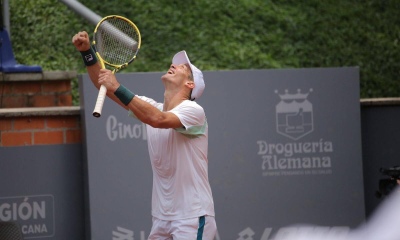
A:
x: 166, y: 76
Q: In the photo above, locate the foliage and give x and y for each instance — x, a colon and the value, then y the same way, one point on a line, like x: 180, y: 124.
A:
x: 222, y: 35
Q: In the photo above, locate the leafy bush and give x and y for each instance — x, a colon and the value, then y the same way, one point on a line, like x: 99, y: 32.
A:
x: 223, y: 35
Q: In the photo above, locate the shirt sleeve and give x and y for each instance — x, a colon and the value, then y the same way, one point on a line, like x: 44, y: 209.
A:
x: 158, y: 105
x: 192, y: 117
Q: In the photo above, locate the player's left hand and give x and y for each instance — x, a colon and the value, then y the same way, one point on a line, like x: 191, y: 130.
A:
x: 108, y: 79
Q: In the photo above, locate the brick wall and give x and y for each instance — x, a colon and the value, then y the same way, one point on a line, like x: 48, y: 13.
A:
x: 40, y: 126
x: 37, y: 109
x: 46, y: 89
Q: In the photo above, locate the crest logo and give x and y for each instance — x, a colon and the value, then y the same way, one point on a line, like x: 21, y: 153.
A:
x: 294, y: 115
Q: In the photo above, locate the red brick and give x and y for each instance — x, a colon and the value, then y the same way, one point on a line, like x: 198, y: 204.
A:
x: 43, y: 101
x: 27, y: 87
x: 56, y: 86
x: 73, y: 136
x: 14, y: 101
x: 53, y: 137
x: 9, y: 139
x: 65, y: 100
x: 63, y: 122
x: 28, y: 123
x: 5, y: 88
x: 5, y: 124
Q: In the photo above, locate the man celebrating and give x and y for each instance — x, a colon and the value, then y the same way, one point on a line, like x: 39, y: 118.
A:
x: 177, y: 130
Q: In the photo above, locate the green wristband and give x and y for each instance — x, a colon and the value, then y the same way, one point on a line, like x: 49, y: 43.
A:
x: 124, y: 94
x: 89, y: 57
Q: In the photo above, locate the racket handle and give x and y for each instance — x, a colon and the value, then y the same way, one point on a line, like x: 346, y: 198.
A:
x: 100, y: 101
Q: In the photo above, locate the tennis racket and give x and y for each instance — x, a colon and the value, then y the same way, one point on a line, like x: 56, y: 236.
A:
x: 116, y: 41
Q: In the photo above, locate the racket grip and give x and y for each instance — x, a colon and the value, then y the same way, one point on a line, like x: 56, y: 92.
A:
x: 100, y: 101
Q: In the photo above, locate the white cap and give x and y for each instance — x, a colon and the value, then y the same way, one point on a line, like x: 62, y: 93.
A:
x: 182, y: 58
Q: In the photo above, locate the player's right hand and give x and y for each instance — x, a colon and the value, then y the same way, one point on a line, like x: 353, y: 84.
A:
x: 81, y: 41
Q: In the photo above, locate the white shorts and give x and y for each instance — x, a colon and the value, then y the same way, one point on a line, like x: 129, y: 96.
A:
x: 199, y: 228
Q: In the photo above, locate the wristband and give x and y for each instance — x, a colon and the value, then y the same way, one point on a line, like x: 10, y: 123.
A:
x: 89, y: 57
x: 124, y: 94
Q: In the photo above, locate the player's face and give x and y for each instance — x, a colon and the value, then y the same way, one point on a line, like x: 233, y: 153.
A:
x: 178, y: 73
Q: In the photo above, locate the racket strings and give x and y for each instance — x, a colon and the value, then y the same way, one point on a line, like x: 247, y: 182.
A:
x: 116, y: 41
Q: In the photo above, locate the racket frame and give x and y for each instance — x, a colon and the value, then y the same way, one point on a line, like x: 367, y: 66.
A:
x: 115, y: 67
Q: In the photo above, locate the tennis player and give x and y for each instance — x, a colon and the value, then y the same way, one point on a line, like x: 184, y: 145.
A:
x: 177, y: 133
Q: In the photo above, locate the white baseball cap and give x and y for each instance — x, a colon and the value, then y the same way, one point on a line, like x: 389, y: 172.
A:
x: 182, y: 58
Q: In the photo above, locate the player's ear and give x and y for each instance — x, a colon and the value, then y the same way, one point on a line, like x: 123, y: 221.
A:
x: 190, y: 84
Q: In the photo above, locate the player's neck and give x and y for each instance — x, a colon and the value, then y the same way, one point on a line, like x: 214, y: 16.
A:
x: 171, y: 100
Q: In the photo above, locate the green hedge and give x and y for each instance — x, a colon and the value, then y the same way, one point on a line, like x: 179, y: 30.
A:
x: 223, y: 35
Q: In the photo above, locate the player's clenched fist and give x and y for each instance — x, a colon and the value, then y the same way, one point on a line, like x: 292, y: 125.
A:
x: 81, y: 41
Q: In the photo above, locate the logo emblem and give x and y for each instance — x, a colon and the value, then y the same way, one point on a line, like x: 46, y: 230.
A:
x: 88, y: 57
x: 294, y: 115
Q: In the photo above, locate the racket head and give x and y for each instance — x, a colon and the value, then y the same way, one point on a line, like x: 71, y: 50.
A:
x: 116, y: 41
